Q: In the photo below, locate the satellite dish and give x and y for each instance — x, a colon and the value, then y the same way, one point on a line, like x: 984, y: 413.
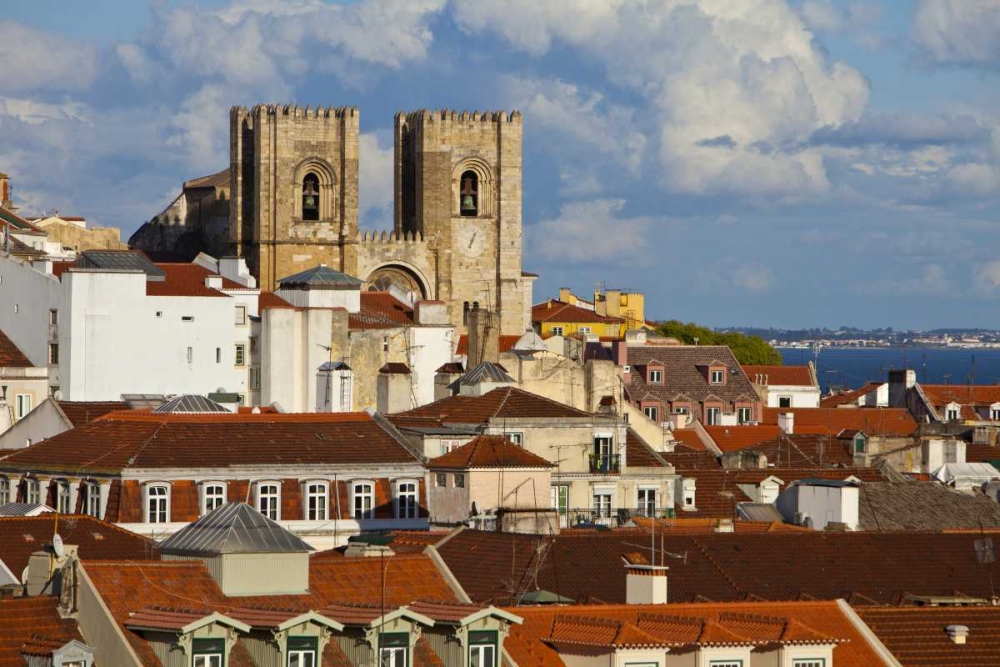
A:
x: 57, y: 394
x: 57, y: 546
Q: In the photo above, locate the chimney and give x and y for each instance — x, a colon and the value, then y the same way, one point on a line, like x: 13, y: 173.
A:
x: 900, y: 382
x: 5, y: 201
x: 213, y: 282
x: 44, y: 576
x: 484, y: 337
x: 687, y: 489
x: 786, y: 422
x: 430, y: 312
x: 565, y: 295
x: 393, y: 389
x: 644, y: 583
x: 957, y: 633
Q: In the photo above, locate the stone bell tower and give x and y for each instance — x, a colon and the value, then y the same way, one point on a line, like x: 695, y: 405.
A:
x: 458, y: 186
x: 294, y: 183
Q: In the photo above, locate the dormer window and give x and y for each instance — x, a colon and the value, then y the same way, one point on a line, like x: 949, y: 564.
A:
x: 860, y: 444
x: 303, y: 651
x: 394, y: 649
x: 64, y: 498
x: 953, y: 412
x: 995, y: 412
x: 208, y: 652
x: 364, y: 501
x: 717, y: 376
x: 158, y: 503
x: 655, y: 376
x: 317, y: 501
x: 483, y: 648
x: 92, y: 499
x: 407, y: 506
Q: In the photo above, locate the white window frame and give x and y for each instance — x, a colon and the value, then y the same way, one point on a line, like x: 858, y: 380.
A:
x: 64, y: 497
x: 240, y: 355
x: 740, y: 412
x: 4, y: 490
x: 953, y: 412
x: 602, y: 501
x: 642, y: 503
x: 407, y: 509
x: 656, y: 376
x: 654, y: 409
x: 808, y: 662
x: 391, y: 652
x: 734, y: 662
x: 205, y: 497
x: 583, y: 330
x: 33, y: 491
x: 358, y: 494
x: 995, y: 413
x: 713, y: 415
x: 516, y: 438
x: 240, y: 315
x: 716, y: 377
x: 160, y: 498
x: 20, y: 401
x: 479, y: 652
x: 92, y: 499
x: 317, y: 500
x: 273, y: 513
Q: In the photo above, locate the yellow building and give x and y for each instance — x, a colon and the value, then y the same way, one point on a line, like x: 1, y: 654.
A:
x: 629, y: 306
x: 557, y: 318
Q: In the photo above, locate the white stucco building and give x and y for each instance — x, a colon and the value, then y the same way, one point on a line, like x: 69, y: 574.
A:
x: 785, y: 386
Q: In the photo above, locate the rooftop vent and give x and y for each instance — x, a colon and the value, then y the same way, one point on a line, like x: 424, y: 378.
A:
x: 958, y: 633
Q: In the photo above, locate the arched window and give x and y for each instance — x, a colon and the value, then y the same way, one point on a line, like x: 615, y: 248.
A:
x: 310, y: 197
x: 469, y: 194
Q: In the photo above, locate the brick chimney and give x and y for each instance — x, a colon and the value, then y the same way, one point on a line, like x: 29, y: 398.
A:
x: 484, y: 337
x: 5, y: 201
x: 644, y: 583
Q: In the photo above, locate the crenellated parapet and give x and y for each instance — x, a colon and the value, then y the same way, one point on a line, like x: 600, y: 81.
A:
x: 452, y: 116
x: 375, y: 237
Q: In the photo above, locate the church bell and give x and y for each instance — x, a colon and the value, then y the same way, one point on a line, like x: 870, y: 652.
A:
x: 468, y: 205
x: 310, y: 196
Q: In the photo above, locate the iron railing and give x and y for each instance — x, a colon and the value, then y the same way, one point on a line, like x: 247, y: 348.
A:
x: 604, y: 464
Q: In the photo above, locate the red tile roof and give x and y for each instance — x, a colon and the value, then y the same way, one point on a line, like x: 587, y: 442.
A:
x: 873, y: 421
x: 804, y: 450
x: 701, y: 526
x: 11, y: 355
x: 733, y: 438
x: 141, y: 439
x: 35, y: 621
x: 489, y: 451
x: 917, y: 636
x: 83, y: 412
x: 558, y: 311
x: 638, y: 453
x: 186, y: 280
x: 381, y: 310
x: 785, y: 376
x: 848, y: 397
x: 969, y: 397
x: 507, y: 343
x: 535, y: 642
x: 689, y: 437
x: 21, y: 536
x: 267, y: 300
x: 508, y: 402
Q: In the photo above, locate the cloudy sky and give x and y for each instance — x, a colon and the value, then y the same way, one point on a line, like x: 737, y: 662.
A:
x: 788, y: 163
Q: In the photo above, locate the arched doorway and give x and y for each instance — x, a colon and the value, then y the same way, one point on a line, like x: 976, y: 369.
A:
x: 399, y: 279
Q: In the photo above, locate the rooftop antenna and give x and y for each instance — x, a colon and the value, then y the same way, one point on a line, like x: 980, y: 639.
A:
x: 986, y: 555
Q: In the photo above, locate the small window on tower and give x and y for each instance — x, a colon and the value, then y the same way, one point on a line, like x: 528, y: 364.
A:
x: 310, y: 197
x: 469, y: 194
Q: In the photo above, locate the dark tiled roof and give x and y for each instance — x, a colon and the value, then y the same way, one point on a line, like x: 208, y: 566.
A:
x: 489, y: 451
x: 508, y: 402
x: 923, y: 506
x: 190, y: 404
x: 144, y: 440
x: 395, y: 368
x: 381, y: 310
x: 11, y: 355
x: 681, y: 374
x: 587, y: 565
x: 638, y: 454
x: 917, y: 635
x: 487, y: 371
x: 798, y: 376
x: 83, y: 412
x: 21, y: 536
x: 33, y: 620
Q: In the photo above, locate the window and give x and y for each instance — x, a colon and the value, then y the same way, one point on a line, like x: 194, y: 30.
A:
x: 302, y: 651
x: 682, y: 410
x: 655, y: 377
x: 744, y: 415
x: 603, y: 454
x: 241, y: 351
x: 53, y: 316
x: 208, y: 652
x: 441, y: 480
x: 515, y: 438
x: 951, y: 452
x: 459, y: 480
x: 602, y: 503
x: 559, y: 498
x: 726, y: 663
x: 310, y: 197
x: 317, y: 501
x: 241, y: 315
x: 64, y: 498
x: 254, y: 379
x: 859, y: 444
x: 716, y: 377
x: 92, y: 499
x: 647, y: 502
x: 557, y: 331
x: 482, y: 648
x: 33, y: 491
x: 190, y: 354
x: 583, y: 330
x: 995, y: 414
x: 218, y: 355
x: 22, y: 405
x: 784, y: 401
x: 187, y: 318
x: 469, y: 194
x: 712, y: 416
x: 406, y: 500
x: 449, y: 445
x: 394, y: 650
x: 157, y: 499
x: 269, y: 500
x: 4, y: 490
x: 809, y: 662
x: 952, y: 413
x: 159, y: 313
x: 213, y: 497
x: 364, y: 500
x: 652, y: 412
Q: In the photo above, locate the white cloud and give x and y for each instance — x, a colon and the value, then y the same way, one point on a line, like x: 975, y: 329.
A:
x: 725, y: 276
x: 986, y: 279
x: 376, y: 184
x: 706, y: 69
x: 958, y: 32
x: 976, y: 179
x: 931, y: 280
x: 592, y: 231
x: 753, y: 278
x: 34, y: 112
x: 37, y: 60
x: 821, y: 15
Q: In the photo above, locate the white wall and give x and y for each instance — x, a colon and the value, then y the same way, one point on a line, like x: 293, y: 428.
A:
x: 802, y: 397
x: 823, y: 504
x: 430, y: 348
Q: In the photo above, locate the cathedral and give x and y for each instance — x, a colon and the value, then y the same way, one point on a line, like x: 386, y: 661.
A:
x: 289, y: 202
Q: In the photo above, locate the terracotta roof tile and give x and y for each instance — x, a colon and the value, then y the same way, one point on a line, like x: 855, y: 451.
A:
x: 83, y: 412
x: 489, y: 451
x: 508, y: 402
x: 683, y: 378
x: 969, y: 397
x: 11, y: 355
x: 784, y: 376
x: 848, y: 397
x: 268, y: 299
x: 381, y: 310
x: 917, y: 636
x: 733, y: 438
x: 507, y: 343
x: 831, y: 421
x: 139, y: 439
x: 35, y: 620
x: 186, y: 280
x: 638, y: 453
x: 557, y: 311
x: 690, y: 439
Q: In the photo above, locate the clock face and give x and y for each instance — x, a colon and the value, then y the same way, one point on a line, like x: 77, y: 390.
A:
x: 471, y: 241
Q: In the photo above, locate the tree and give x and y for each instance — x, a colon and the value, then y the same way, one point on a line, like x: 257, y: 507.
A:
x: 747, y: 349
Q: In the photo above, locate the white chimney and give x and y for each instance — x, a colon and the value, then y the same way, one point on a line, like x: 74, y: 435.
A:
x: 687, y: 489
x: 213, y: 282
x: 786, y: 422
x: 957, y: 633
x: 645, y: 584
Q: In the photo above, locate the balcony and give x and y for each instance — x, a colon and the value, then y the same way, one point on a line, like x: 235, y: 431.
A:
x: 605, y: 464
x: 590, y: 517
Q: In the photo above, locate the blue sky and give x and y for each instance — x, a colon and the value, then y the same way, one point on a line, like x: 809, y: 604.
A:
x: 789, y: 163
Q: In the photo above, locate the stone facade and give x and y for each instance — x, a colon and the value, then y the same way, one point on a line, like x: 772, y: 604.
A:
x: 286, y: 160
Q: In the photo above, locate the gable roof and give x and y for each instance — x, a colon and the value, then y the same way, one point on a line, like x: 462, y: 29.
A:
x: 381, y: 310
x: 187, y: 280
x: 848, y: 397
x: 489, y: 451
x: 559, y: 311
x: 230, y: 529
x: 638, y: 453
x: 503, y: 402
x: 34, y: 621
x: 83, y: 412
x: 507, y: 343
x: 486, y: 371
x: 831, y: 421
x: 968, y: 397
x: 783, y: 376
x: 11, y: 355
x: 138, y: 439
x: 191, y: 404
x: 681, y: 374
